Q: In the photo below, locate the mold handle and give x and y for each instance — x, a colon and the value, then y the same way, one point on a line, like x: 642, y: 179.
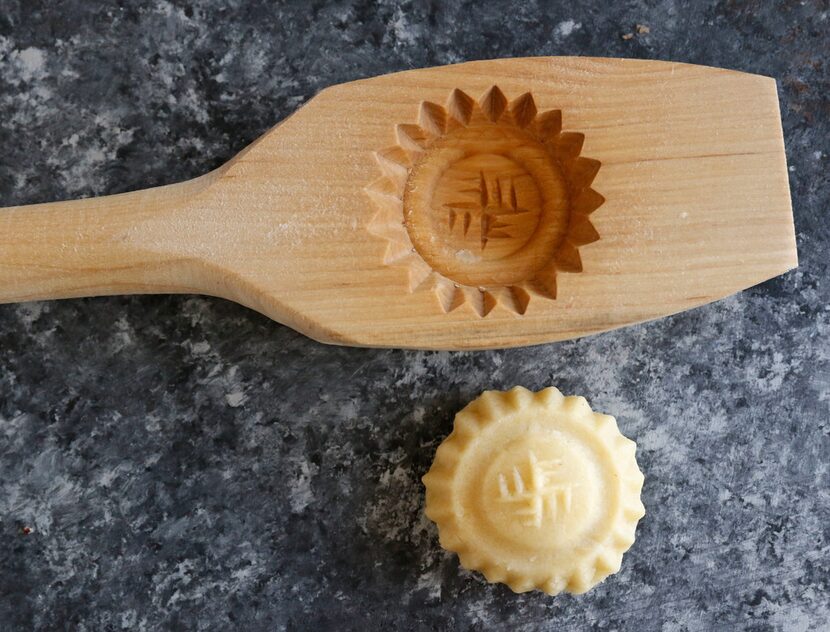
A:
x: 83, y: 247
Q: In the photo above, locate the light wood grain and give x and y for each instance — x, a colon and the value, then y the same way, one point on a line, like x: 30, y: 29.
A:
x: 691, y: 168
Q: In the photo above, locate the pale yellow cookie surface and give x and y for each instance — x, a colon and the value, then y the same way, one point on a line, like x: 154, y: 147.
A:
x: 536, y: 490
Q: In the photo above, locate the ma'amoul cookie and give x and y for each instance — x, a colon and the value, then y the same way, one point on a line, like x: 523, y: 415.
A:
x: 536, y: 490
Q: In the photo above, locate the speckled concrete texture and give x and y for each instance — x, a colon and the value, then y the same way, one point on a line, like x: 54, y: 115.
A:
x: 183, y: 463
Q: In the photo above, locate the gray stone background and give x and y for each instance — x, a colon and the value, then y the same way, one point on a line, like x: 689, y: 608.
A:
x: 184, y: 463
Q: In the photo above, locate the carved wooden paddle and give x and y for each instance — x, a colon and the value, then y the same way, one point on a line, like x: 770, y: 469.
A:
x: 486, y: 204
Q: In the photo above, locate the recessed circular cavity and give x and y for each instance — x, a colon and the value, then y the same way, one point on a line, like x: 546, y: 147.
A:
x: 486, y: 205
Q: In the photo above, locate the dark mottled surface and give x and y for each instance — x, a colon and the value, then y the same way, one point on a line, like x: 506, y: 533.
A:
x: 184, y: 463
